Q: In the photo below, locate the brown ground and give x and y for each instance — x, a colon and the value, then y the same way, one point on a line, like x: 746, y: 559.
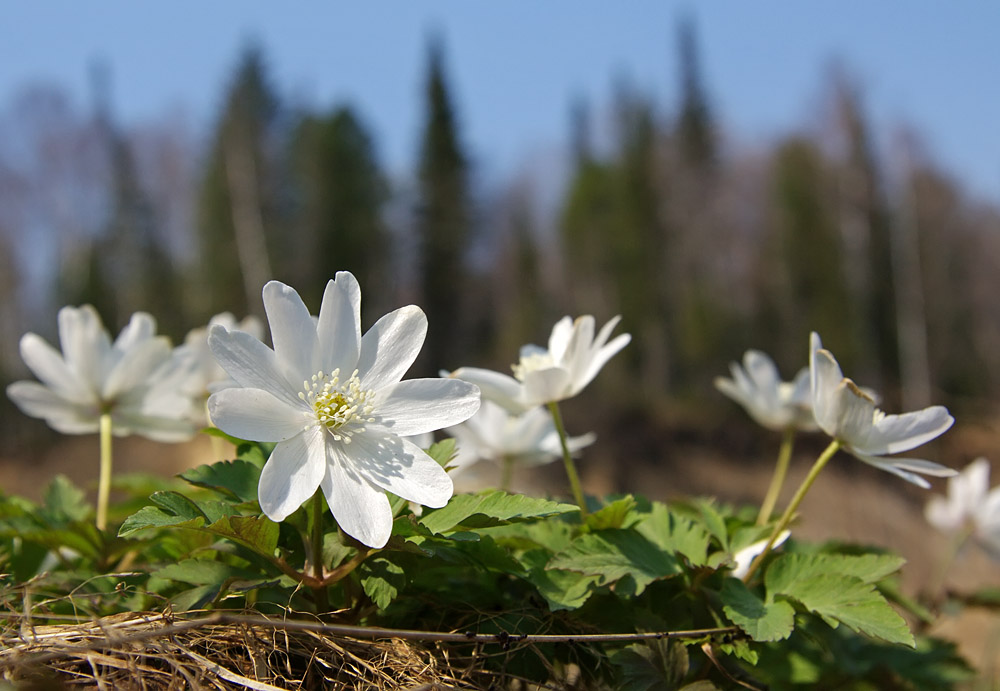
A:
x: 850, y: 502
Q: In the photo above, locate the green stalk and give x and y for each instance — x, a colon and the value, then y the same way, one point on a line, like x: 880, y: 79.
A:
x: 778, y: 479
x: 506, y: 472
x: 571, y: 474
x: 793, y: 506
x: 322, y: 602
x: 104, y: 475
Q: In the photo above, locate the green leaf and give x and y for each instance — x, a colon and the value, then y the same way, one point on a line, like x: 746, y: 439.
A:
x: 177, y: 504
x: 656, y: 664
x: 443, y: 452
x: 763, y: 621
x: 614, y: 515
x: 714, y: 521
x: 258, y: 533
x: 382, y: 580
x: 614, y: 554
x: 195, y: 598
x: 234, y: 479
x: 152, y: 517
x: 868, y: 568
x: 203, y: 572
x: 562, y: 589
x: 491, y: 507
x: 673, y: 533
x: 64, y: 502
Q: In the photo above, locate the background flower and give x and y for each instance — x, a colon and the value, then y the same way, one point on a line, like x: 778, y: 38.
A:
x: 336, y: 406
x: 137, y: 379
x: 771, y: 402
x: 970, y: 506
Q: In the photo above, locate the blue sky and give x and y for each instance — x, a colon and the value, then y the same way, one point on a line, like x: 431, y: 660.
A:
x: 515, y: 66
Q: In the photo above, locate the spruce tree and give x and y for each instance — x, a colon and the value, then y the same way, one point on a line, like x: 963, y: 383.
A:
x: 442, y: 219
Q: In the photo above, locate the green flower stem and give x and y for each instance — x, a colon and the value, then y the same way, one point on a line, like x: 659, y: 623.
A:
x: 778, y: 479
x: 322, y: 602
x: 940, y: 577
x: 104, y: 475
x: 793, y: 506
x: 506, y: 472
x: 574, y: 479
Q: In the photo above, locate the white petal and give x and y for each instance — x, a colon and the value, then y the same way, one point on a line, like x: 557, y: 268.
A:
x: 46, y: 363
x: 943, y: 515
x: 135, y: 367
x: 390, y: 347
x: 903, y: 466
x: 896, y: 433
x: 601, y: 359
x: 339, y: 325
x: 161, y: 429
x: 560, y: 337
x: 500, y: 388
x: 361, y: 509
x: 293, y: 332
x: 62, y: 415
x: 416, y: 406
x: 256, y: 415
x: 85, y: 344
x: 141, y: 327
x: 399, y: 466
x: 251, y: 363
x: 826, y: 377
x: 546, y: 385
x: 578, y: 350
x: 292, y: 473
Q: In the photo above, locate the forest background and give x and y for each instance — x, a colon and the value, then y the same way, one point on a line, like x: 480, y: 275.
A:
x: 705, y: 245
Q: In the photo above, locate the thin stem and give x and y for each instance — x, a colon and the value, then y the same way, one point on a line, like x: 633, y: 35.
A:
x: 574, y: 479
x: 322, y: 603
x: 506, y: 472
x: 104, y: 475
x: 944, y: 566
x: 793, y: 505
x: 778, y: 479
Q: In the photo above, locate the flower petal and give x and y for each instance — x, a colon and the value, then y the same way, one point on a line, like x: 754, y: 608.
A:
x: 600, y: 359
x: 559, y: 339
x: 390, y: 347
x: 896, y: 433
x: 500, y: 388
x: 826, y: 377
x: 416, y: 406
x: 903, y: 467
x: 85, y: 344
x: 141, y: 327
x: 292, y: 473
x: 339, y: 326
x: 62, y: 415
x: 135, y: 367
x: 162, y: 429
x: 293, y: 332
x: 251, y: 363
x: 399, y: 466
x: 361, y: 509
x: 257, y: 415
x: 46, y: 363
x: 546, y: 385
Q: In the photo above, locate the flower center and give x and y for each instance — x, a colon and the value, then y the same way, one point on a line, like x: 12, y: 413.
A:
x: 532, y: 362
x: 341, y: 406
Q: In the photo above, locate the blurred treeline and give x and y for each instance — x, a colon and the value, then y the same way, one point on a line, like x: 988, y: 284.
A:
x: 705, y: 245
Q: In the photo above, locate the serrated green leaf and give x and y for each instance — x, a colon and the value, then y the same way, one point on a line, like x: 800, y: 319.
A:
x: 177, y: 504
x: 64, y: 502
x: 617, y: 514
x: 740, y: 648
x: 613, y: 554
x: 491, y: 507
x: 195, y: 598
x: 235, y: 479
x: 152, y: 517
x: 656, y: 664
x: 382, y: 580
x: 442, y: 452
x: 203, y: 572
x: 254, y: 453
x: 761, y: 620
x: 562, y: 589
x: 673, y: 533
x: 258, y: 533
x: 868, y: 568
x: 714, y: 521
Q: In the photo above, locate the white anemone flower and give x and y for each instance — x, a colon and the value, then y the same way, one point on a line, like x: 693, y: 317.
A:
x: 495, y: 434
x: 334, y: 402
x: 744, y: 557
x: 548, y: 375
x: 970, y: 506
x: 775, y: 404
x: 137, y: 379
x: 849, y: 415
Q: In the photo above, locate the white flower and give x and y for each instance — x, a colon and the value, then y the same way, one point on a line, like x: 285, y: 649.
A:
x: 745, y: 556
x: 773, y: 403
x: 969, y: 506
x: 137, y: 379
x: 495, y: 434
x: 209, y: 376
x: 849, y: 415
x: 336, y: 406
x: 572, y: 360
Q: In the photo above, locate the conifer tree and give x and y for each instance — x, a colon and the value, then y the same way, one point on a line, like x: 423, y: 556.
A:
x: 341, y: 195
x: 442, y: 218
x: 237, y: 205
x: 695, y: 127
